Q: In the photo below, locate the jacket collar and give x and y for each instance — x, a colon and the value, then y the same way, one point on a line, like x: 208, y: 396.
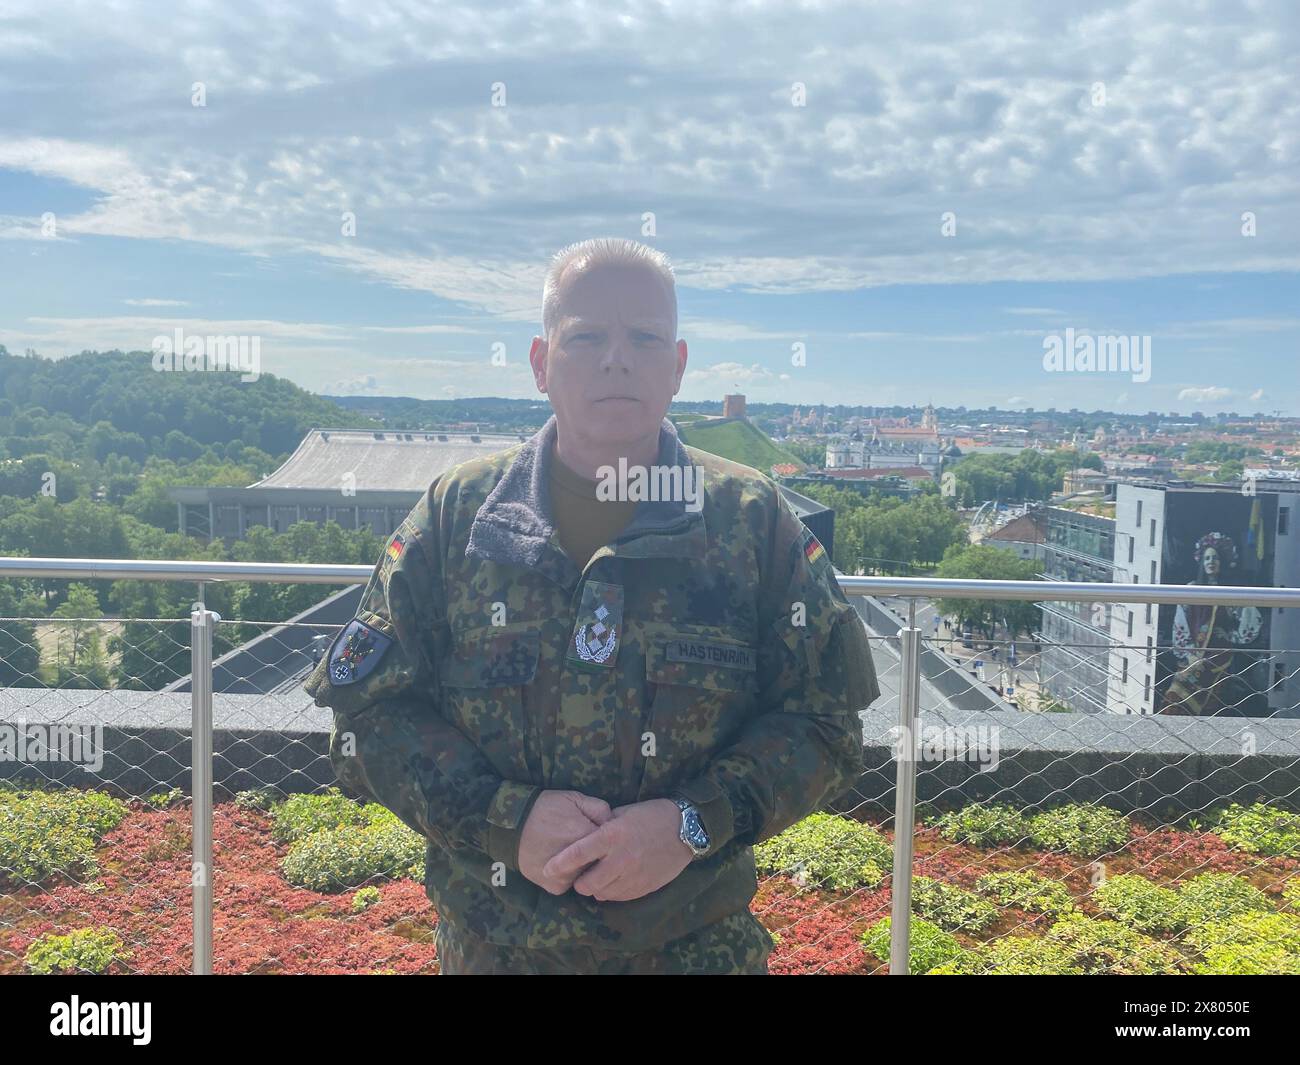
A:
x: 516, y: 526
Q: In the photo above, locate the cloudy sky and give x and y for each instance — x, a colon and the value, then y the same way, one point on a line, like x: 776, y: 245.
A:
x: 915, y: 193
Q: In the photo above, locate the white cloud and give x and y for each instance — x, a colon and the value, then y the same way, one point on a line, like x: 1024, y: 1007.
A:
x: 618, y: 109
x: 708, y: 329
x: 938, y: 338
x: 510, y: 291
x: 753, y: 379
x: 312, y: 111
x: 421, y: 329
x: 1218, y: 326
x: 364, y: 385
x: 16, y: 227
x: 134, y: 333
x: 1207, y: 394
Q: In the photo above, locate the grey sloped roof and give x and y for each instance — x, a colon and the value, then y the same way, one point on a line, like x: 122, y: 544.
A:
x: 380, y: 460
x: 803, y: 505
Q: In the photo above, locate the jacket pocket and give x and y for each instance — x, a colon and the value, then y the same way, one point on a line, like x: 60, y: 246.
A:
x: 701, y: 687
x: 485, y: 678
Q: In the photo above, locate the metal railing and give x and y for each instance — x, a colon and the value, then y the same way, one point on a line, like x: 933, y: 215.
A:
x: 931, y: 669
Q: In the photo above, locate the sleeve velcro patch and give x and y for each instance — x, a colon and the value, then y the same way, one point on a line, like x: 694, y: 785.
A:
x: 356, y: 652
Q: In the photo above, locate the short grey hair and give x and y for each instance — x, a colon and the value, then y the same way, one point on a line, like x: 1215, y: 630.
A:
x: 602, y: 251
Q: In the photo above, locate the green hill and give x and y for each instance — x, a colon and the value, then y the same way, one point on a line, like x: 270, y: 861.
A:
x: 734, y: 439
x: 91, y: 406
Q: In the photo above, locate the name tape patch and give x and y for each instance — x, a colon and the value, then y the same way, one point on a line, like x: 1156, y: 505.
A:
x: 727, y: 655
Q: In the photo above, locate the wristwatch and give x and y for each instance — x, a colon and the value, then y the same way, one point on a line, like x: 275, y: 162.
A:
x: 692, y: 832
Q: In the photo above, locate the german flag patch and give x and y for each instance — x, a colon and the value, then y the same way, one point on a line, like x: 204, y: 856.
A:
x: 813, y: 550
x: 396, y: 546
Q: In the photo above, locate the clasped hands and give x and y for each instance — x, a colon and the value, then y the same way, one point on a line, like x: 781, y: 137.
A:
x: 572, y: 840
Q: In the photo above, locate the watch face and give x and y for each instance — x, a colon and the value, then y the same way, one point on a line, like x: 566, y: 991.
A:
x: 695, y: 831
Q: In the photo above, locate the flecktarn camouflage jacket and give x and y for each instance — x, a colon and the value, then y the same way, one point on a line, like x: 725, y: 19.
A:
x: 708, y: 652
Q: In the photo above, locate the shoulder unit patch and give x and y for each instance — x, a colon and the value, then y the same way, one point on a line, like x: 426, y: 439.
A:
x: 356, y: 652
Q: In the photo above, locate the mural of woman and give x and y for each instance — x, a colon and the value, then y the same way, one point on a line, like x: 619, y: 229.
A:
x: 1204, y: 637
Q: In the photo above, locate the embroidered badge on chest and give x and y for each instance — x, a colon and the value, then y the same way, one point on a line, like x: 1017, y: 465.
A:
x: 598, y: 625
x: 356, y: 652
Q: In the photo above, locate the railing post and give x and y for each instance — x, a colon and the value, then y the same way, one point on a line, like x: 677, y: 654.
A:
x: 202, y: 621
x: 900, y: 925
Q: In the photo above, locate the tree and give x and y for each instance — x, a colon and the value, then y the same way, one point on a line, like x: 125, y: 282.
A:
x: 105, y: 440
x: 806, y: 451
x: 151, y: 654
x: 77, y: 529
x: 891, y: 534
x: 79, y: 655
x: 20, y: 654
x: 150, y: 501
x: 982, y: 562
x: 1029, y: 476
x: 304, y: 541
x: 178, y: 447
x: 1232, y: 470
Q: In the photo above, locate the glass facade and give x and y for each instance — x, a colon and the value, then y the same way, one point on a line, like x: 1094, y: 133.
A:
x: 1075, y: 637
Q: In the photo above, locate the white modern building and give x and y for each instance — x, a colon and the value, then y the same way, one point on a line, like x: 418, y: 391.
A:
x: 1140, y: 633
x: 1139, y: 531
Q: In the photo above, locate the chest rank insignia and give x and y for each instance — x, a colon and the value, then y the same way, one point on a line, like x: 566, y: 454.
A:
x: 596, y: 642
x: 356, y: 652
x: 595, y: 637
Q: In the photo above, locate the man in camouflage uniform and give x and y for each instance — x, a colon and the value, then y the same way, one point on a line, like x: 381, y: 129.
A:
x: 593, y: 737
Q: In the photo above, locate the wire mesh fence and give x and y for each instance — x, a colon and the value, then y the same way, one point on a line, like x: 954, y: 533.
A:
x: 1049, y: 836
x: 1051, y: 841
x: 87, y: 756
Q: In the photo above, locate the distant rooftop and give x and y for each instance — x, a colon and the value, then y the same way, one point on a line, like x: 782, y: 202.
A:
x: 1027, y: 528
x: 1267, y: 474
x: 874, y: 473
x: 381, y: 460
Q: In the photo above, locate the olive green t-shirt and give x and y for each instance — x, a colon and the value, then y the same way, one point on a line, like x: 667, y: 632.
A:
x: 582, y: 521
